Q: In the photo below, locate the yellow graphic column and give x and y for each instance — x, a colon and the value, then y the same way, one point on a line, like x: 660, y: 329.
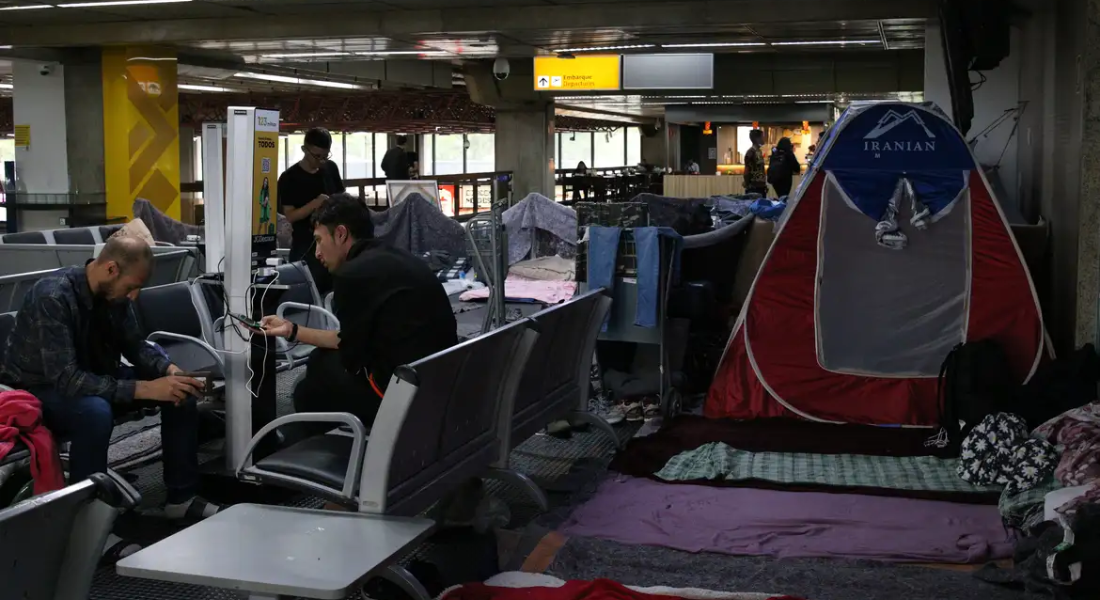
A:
x: 265, y: 156
x: 141, y: 129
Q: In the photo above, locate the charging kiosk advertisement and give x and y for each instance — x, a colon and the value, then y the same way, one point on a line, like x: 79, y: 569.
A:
x: 265, y: 157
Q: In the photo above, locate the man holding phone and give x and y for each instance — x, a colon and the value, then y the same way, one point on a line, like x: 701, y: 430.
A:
x: 66, y: 349
x: 302, y: 189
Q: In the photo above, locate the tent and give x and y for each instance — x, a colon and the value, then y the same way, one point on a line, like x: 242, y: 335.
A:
x: 537, y: 226
x: 892, y: 251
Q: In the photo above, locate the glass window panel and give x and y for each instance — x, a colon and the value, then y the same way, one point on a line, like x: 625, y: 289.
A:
x: 294, y: 145
x: 481, y: 155
x: 557, y: 151
x: 360, y: 155
x: 381, y: 144
x: 576, y: 147
x: 338, y: 151
x: 634, y: 148
x: 608, y: 148
x: 281, y: 166
x: 448, y: 154
x: 427, y: 166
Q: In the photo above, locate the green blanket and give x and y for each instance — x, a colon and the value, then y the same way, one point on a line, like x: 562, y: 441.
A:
x: 718, y: 461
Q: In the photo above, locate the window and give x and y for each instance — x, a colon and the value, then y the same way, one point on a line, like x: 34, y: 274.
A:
x: 7, y: 153
x: 448, y: 154
x: 427, y: 158
x: 634, y: 148
x: 609, y: 148
x: 359, y: 156
x: 294, y: 146
x: 381, y: 146
x: 576, y: 147
x: 481, y: 154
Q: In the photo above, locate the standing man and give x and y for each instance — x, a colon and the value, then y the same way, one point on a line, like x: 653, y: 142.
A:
x: 756, y: 181
x: 302, y: 188
x: 395, y: 163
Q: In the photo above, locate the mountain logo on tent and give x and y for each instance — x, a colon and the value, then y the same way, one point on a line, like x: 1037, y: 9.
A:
x: 891, y: 121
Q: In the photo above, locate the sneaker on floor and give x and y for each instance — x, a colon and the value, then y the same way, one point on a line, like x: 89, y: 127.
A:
x: 651, y: 411
x: 560, y: 429
x: 634, y: 412
x: 615, y: 414
x: 194, y: 509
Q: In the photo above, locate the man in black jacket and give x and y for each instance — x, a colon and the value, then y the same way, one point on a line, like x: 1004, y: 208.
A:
x: 395, y: 162
x: 392, y: 311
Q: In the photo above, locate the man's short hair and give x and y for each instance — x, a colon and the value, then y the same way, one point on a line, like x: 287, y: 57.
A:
x: 319, y: 137
x: 756, y: 134
x: 126, y: 252
x: 402, y: 140
x: 346, y: 210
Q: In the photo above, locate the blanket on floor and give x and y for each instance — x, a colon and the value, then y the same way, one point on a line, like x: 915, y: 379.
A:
x: 720, y: 461
x: 790, y: 524
x: 516, y: 585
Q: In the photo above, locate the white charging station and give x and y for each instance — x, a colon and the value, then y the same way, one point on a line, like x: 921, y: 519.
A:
x: 249, y: 239
x: 213, y: 194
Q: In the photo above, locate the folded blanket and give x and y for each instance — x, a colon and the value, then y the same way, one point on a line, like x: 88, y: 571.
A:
x: 519, y: 290
x: 536, y: 586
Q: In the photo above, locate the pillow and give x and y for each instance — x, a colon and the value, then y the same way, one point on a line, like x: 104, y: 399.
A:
x: 136, y: 229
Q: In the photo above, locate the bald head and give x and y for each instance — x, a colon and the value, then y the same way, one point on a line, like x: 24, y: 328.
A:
x: 126, y: 252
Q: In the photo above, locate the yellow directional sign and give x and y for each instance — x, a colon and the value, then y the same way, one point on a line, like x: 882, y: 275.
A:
x: 597, y: 72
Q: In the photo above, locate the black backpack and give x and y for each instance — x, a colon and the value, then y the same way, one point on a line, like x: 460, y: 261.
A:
x: 975, y: 381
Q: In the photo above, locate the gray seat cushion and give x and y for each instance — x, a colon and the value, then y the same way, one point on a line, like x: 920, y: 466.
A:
x: 82, y: 235
x: 18, y: 452
x: 25, y: 237
x: 321, y: 459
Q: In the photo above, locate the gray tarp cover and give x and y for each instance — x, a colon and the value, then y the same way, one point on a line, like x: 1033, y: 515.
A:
x: 536, y: 213
x: 167, y: 229
x: 418, y: 226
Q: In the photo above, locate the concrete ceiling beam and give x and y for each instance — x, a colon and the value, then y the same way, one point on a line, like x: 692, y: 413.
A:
x: 343, y: 22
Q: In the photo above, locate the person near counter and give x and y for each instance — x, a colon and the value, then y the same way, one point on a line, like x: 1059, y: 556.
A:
x: 784, y: 165
x: 302, y: 189
x: 756, y: 181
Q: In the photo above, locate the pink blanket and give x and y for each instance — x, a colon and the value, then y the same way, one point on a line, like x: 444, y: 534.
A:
x: 743, y: 521
x: 522, y: 290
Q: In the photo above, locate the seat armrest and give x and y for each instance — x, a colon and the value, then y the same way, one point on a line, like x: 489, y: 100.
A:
x: 332, y: 321
x: 355, y: 461
x: 207, y: 348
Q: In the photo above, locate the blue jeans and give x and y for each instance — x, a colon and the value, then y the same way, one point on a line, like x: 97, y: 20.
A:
x: 87, y: 424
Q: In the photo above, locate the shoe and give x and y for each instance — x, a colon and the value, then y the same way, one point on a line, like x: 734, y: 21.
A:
x: 560, y: 429
x: 651, y: 411
x: 614, y: 414
x: 194, y: 509
x: 634, y: 412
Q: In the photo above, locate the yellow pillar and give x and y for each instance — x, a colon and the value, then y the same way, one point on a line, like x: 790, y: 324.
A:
x: 141, y: 129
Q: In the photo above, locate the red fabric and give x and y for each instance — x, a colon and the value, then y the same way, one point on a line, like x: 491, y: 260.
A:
x: 600, y: 589
x: 778, y: 328
x: 21, y: 419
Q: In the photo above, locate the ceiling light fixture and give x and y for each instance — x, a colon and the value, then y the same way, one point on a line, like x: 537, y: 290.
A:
x: 339, y: 85
x: 202, y: 88
x: 827, y: 43
x: 6, y: 86
x: 27, y: 7
x: 5, y: 47
x: 304, y: 54
x: 601, y: 48
x: 118, y: 3
x: 716, y: 45
x: 401, y: 53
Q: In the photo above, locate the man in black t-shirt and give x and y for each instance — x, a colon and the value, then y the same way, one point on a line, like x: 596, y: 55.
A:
x: 395, y: 163
x: 302, y: 189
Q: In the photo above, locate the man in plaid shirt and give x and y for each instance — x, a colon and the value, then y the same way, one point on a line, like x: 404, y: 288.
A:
x: 66, y: 349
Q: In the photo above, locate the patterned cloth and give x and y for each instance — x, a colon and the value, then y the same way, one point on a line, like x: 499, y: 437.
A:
x: 538, y: 226
x: 1078, y: 431
x: 999, y: 451
x: 719, y: 461
x: 1023, y: 509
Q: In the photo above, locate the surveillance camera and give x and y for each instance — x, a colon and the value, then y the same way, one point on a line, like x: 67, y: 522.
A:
x: 45, y: 70
x: 657, y: 125
x: 501, y: 69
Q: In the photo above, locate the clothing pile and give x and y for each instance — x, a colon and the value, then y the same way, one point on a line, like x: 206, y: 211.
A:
x: 998, y: 451
x: 533, y: 586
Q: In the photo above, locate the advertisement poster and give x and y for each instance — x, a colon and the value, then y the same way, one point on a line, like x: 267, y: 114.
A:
x: 447, y: 199
x: 264, y: 174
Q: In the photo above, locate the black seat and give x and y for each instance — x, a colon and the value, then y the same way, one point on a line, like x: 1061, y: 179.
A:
x: 82, y: 235
x: 106, y: 231
x: 25, y: 237
x: 171, y: 309
x: 7, y: 324
x: 323, y: 459
x: 18, y: 452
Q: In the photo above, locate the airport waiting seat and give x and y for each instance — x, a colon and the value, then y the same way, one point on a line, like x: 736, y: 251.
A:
x: 13, y: 288
x: 106, y: 231
x: 170, y: 266
x: 79, y: 235
x: 169, y: 316
x: 26, y: 237
x: 301, y: 304
x: 19, y: 454
x: 50, y: 547
x: 439, y: 426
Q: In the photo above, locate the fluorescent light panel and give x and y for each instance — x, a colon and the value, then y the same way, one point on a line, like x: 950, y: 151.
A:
x: 600, y: 48
x: 826, y: 42
x: 6, y: 86
x: 339, y: 85
x: 401, y: 53
x: 27, y: 7
x: 304, y: 54
x: 202, y: 88
x: 716, y: 45
x: 117, y: 3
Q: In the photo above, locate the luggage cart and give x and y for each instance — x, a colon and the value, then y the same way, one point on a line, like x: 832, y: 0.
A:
x: 487, y: 244
x: 621, y: 327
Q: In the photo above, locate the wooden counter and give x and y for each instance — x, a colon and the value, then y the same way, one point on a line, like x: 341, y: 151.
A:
x: 705, y: 186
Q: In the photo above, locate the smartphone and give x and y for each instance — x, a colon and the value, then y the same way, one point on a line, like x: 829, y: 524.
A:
x: 248, y: 322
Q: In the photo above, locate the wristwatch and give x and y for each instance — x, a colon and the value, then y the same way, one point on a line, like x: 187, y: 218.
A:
x: 293, y: 337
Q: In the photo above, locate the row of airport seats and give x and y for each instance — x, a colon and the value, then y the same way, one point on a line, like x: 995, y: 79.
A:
x: 96, y: 234
x: 444, y: 420
x: 22, y: 265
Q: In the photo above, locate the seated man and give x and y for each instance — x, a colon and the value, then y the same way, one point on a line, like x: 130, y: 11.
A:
x: 392, y: 311
x: 66, y: 349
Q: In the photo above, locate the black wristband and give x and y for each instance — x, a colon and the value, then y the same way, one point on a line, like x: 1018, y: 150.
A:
x: 293, y: 337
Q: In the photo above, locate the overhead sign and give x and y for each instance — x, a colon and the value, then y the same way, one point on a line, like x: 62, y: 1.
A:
x: 601, y: 72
